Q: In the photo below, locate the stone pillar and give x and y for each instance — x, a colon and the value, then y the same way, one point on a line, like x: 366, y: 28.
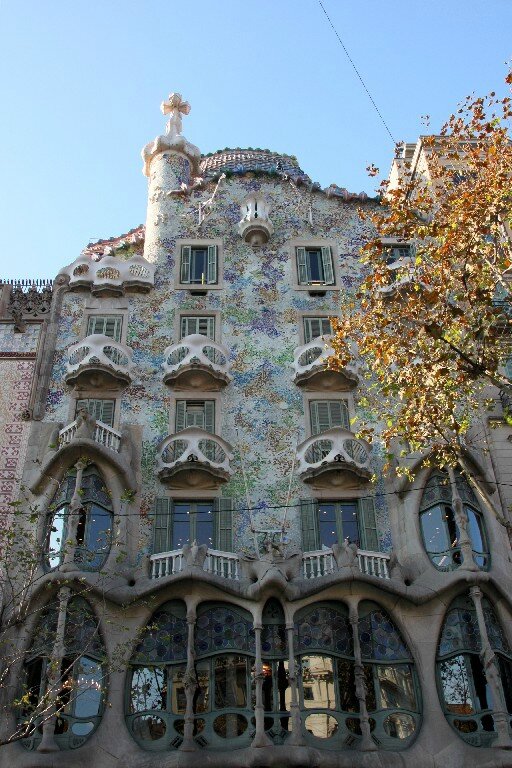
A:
x: 53, y: 676
x: 260, y: 737
x: 461, y: 519
x: 75, y: 506
x: 492, y: 674
x: 190, y: 681
x: 367, y: 743
x: 296, y: 738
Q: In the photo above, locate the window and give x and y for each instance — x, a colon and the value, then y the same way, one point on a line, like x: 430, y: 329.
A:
x: 199, y: 265
x: 315, y: 327
x: 94, y: 525
x: 464, y: 690
x: 105, y: 325
x: 325, y: 523
x: 326, y: 414
x: 101, y: 410
x: 202, y: 325
x: 195, y: 413
x: 177, y: 522
x: 315, y: 266
x: 397, y: 251
x: 81, y: 676
x: 439, y: 528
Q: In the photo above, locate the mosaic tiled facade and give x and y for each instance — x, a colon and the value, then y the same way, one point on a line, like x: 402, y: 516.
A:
x: 241, y: 583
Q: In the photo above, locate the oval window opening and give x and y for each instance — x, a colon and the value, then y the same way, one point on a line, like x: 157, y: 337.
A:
x: 321, y: 725
x: 148, y: 727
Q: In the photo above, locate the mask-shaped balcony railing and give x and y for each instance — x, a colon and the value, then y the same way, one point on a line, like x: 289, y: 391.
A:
x: 311, y: 368
x: 196, y: 362
x: 111, y: 276
x: 103, y: 435
x: 323, y: 563
x: 194, y: 458
x: 99, y: 361
x: 334, y: 458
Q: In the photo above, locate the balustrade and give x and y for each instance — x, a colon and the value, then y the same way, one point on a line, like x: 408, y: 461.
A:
x: 99, y: 354
x: 196, y: 362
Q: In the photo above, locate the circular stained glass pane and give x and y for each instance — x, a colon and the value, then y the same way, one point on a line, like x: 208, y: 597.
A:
x: 148, y: 727
x: 230, y: 726
x: 82, y: 729
x: 466, y: 726
x: 399, y: 726
x: 321, y: 725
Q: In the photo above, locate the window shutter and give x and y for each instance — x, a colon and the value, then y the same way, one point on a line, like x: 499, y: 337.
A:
x: 209, y: 416
x: 112, y: 328
x: 187, y: 326
x: 368, y: 525
x: 211, y: 276
x: 162, y: 525
x: 302, y: 269
x: 181, y: 415
x: 207, y: 327
x: 338, y: 416
x: 107, y: 412
x: 186, y: 254
x: 309, y: 524
x: 91, y: 326
x: 327, y: 265
x: 223, y: 537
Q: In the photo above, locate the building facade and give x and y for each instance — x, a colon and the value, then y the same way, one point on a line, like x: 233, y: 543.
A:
x: 222, y: 571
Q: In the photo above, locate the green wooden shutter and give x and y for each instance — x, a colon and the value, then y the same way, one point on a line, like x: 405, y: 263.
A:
x: 327, y: 265
x: 112, y: 328
x: 186, y: 255
x: 181, y: 415
x: 302, y: 269
x: 162, y: 525
x: 101, y: 410
x: 309, y: 525
x: 209, y: 416
x: 315, y: 327
x: 223, y: 529
x: 92, y: 325
x: 368, y: 525
x: 211, y: 273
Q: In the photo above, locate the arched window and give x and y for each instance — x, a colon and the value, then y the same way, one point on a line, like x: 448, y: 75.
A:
x: 276, y: 687
x: 392, y: 691
x: 82, y: 676
x: 463, y: 687
x: 441, y: 535
x: 93, y: 527
x: 156, y: 699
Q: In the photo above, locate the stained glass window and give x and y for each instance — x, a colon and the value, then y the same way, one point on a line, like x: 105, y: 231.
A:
x: 165, y: 638
x: 223, y: 628
x: 324, y: 629
x: 380, y: 639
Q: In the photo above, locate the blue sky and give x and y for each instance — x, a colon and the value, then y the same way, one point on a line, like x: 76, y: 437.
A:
x: 81, y: 82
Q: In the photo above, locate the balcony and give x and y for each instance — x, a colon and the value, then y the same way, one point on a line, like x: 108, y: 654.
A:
x: 225, y: 564
x: 323, y: 563
x: 311, y: 368
x: 99, y: 362
x: 103, y: 435
x: 194, y: 459
x: 334, y: 459
x: 111, y: 276
x: 196, y: 362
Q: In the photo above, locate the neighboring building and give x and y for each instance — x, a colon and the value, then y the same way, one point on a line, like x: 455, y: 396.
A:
x: 222, y: 577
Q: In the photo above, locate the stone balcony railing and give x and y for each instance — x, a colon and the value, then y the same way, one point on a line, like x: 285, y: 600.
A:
x: 311, y: 371
x: 99, y: 361
x: 103, y: 435
x: 227, y: 564
x: 324, y: 459
x: 194, y: 458
x: 196, y: 362
x: 111, y: 276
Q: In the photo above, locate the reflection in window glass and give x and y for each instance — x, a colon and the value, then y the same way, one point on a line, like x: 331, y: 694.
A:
x: 201, y: 696
x: 321, y: 725
x: 230, y: 681
x: 149, y: 689
x: 89, y: 689
x: 456, y: 686
x: 178, y: 696
x: 318, y: 682
x: 396, y: 687
x: 347, y: 686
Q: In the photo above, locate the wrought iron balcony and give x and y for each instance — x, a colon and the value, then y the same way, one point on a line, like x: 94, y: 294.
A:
x: 98, y: 362
x: 196, y: 362
x: 194, y: 459
x: 111, y: 276
x: 334, y: 458
x: 103, y: 435
x: 311, y: 368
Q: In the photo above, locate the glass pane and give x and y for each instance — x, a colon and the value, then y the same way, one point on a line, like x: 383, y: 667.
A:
x: 348, y: 701
x: 475, y: 530
x: 149, y: 689
x: 317, y: 682
x: 180, y: 525
x: 506, y: 679
x: 350, y: 528
x: 435, y: 533
x: 178, y: 696
x: 89, y: 687
x: 98, y: 529
x: 148, y: 727
x: 327, y: 524
x: 56, y: 538
x: 201, y: 696
x: 321, y: 725
x: 369, y: 681
x: 198, y: 266
x: 204, y: 524
x: 396, y: 687
x: 230, y: 681
x: 230, y: 726
x: 399, y: 726
x: 456, y: 685
x: 316, y: 269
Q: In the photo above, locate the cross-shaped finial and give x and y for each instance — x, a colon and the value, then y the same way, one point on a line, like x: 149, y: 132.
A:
x: 174, y: 107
